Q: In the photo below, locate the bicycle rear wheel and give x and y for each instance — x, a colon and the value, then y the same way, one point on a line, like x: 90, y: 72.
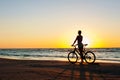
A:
x: 90, y: 57
x: 72, y: 57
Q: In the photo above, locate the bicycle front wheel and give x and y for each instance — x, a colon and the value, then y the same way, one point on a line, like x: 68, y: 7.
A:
x: 72, y: 57
x: 90, y: 57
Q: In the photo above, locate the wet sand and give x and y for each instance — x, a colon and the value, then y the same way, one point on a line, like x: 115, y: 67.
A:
x: 57, y: 70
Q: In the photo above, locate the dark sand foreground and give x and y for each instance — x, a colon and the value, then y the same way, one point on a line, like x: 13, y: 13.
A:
x: 57, y: 70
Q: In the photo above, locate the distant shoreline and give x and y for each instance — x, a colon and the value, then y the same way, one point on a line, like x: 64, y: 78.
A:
x: 59, y: 59
x: 64, y: 48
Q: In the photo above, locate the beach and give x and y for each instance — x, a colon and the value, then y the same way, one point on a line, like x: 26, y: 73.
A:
x: 11, y: 69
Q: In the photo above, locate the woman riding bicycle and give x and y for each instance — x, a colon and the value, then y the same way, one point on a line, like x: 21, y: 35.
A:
x: 79, y: 39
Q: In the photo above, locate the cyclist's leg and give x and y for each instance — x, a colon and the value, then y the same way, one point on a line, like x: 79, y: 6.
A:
x: 81, y: 53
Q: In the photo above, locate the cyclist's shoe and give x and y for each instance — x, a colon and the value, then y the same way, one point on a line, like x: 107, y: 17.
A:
x: 81, y: 63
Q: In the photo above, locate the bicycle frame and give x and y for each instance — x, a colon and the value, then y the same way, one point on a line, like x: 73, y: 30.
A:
x: 74, y: 55
x: 76, y: 49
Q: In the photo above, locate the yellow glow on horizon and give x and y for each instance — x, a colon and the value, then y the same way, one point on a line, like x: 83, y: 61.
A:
x: 64, y: 40
x: 63, y: 43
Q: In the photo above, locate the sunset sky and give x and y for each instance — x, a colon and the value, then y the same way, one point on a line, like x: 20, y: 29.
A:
x: 54, y: 23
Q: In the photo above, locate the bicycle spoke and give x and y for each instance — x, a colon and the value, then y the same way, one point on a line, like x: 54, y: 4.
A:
x: 72, y: 57
x: 90, y: 57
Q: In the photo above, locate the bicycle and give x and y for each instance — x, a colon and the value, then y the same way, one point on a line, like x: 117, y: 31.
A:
x: 74, y: 56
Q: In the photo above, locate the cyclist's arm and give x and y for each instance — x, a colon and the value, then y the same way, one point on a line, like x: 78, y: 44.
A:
x: 74, y: 41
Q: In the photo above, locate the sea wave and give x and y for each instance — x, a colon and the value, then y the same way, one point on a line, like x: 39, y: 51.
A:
x: 111, y: 54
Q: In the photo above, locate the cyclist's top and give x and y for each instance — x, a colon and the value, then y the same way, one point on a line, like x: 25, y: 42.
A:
x: 79, y: 40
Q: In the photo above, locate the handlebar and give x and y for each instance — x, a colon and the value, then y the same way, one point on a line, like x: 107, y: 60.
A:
x: 85, y: 44
x: 74, y: 45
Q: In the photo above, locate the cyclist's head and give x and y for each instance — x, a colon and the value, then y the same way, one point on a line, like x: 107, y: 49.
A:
x: 79, y: 32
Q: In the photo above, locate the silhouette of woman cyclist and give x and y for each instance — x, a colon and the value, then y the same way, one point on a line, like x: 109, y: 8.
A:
x: 79, y: 39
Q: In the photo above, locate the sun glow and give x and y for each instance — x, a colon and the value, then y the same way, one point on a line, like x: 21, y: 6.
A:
x: 87, y: 40
x: 95, y: 42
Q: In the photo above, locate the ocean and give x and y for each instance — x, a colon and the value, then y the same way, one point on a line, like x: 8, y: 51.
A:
x: 102, y: 54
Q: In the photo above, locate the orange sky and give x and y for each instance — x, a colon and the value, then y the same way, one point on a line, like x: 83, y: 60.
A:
x: 54, y: 24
